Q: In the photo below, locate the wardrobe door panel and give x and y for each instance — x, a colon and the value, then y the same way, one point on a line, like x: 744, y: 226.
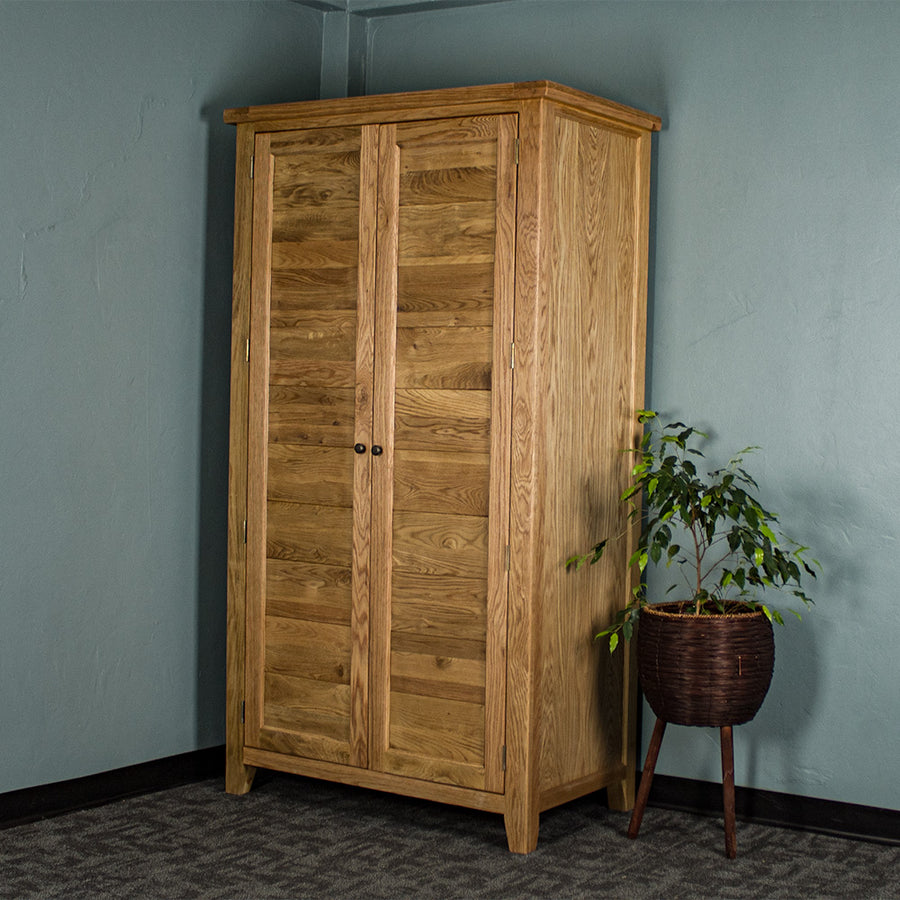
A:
x: 310, y: 397
x: 444, y: 298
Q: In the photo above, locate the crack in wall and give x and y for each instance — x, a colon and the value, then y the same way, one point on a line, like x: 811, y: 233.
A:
x: 70, y: 213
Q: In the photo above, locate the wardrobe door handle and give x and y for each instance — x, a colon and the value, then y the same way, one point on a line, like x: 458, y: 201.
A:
x: 376, y: 450
x: 359, y: 448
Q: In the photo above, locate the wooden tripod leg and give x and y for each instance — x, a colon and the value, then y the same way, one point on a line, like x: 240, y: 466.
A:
x: 646, y: 778
x: 728, y: 790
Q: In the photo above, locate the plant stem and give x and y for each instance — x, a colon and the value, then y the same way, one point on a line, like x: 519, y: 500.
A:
x: 698, y: 556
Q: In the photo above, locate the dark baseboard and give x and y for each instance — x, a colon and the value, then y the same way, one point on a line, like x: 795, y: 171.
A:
x: 46, y: 800
x: 865, y: 823
x: 849, y: 820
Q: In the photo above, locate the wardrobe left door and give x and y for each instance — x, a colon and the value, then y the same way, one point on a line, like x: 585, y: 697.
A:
x: 309, y: 449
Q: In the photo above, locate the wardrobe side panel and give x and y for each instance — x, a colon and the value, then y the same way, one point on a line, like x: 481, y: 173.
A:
x: 238, y: 777
x: 594, y: 278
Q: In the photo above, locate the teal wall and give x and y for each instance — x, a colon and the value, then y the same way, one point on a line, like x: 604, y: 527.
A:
x: 115, y: 293
x: 775, y: 316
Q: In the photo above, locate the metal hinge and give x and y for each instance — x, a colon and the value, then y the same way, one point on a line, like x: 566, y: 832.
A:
x: 252, y: 165
x: 245, y: 531
x: 517, y: 151
x: 247, y: 352
x: 243, y: 706
x: 512, y: 355
x: 503, y: 757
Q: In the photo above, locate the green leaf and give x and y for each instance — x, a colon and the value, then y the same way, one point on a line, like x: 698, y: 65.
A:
x: 613, y: 642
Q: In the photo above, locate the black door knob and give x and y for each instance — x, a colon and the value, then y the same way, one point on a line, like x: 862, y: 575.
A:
x: 359, y: 448
x: 376, y: 450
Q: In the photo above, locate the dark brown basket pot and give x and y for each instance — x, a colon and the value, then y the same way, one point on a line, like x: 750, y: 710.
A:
x: 704, y: 670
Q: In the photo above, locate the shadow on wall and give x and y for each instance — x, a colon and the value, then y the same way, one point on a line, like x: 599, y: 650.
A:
x: 214, y: 394
x: 802, y: 647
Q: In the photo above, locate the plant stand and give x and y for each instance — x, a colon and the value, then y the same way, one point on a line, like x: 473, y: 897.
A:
x: 727, y: 741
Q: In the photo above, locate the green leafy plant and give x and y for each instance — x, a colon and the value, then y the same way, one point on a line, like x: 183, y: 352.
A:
x: 726, y: 545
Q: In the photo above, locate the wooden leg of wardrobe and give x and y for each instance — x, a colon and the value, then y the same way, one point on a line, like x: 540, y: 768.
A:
x: 238, y: 777
x: 728, y: 790
x: 620, y: 795
x: 521, y: 830
x: 646, y: 778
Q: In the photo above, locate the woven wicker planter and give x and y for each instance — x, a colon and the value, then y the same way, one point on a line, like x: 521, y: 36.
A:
x: 704, y: 670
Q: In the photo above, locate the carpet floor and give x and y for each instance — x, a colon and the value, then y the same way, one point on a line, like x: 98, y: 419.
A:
x: 298, y: 838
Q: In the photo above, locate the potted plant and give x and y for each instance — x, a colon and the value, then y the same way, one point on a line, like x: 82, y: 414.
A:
x: 707, y: 657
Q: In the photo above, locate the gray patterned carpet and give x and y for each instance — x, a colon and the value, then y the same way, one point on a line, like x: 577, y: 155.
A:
x: 296, y: 838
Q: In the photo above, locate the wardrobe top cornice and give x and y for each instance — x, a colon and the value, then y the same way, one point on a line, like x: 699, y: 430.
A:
x: 485, y: 99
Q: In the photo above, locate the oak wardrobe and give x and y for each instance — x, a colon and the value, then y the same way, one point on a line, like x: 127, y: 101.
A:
x: 438, y: 348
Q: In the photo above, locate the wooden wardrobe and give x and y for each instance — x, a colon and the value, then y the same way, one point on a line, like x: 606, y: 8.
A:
x: 438, y: 349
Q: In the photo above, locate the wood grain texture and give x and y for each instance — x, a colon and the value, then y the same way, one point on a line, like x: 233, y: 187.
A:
x: 360, y: 697
x: 437, y: 728
x: 238, y: 776
x: 433, y: 543
x: 334, y: 287
x: 401, y: 246
x: 440, y: 213
x: 440, y: 103
x: 308, y: 533
x: 308, y: 747
x: 445, y: 294
x: 310, y: 474
x: 589, y: 408
x: 386, y: 224
x: 318, y: 593
x: 443, y: 419
x: 307, y: 705
x: 434, y: 233
x: 311, y: 414
x: 257, y: 445
x: 521, y: 816
x: 437, y: 674
x: 441, y: 791
x: 312, y: 650
x: 458, y: 483
x: 316, y: 335
x: 444, y: 357
x: 496, y: 634
x: 307, y: 664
